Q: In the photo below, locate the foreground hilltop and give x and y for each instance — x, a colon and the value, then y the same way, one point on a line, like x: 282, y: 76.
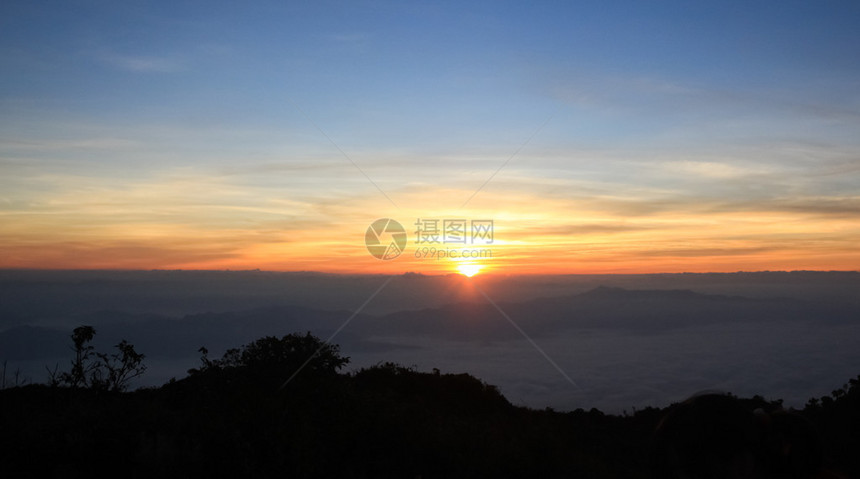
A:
x: 267, y: 410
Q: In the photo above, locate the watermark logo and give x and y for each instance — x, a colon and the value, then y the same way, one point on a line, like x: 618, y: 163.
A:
x: 453, y: 231
x: 385, y: 239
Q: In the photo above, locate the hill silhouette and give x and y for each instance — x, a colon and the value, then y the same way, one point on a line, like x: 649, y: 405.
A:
x: 279, y: 406
x: 607, y: 308
x: 633, y: 347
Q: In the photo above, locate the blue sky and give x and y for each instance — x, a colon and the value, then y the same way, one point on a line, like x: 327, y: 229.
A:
x: 620, y: 109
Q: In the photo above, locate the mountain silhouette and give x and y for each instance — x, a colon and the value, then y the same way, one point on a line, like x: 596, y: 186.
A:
x: 235, y: 417
x: 606, y: 308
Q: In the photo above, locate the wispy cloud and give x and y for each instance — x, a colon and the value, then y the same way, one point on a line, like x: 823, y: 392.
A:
x: 654, y: 146
x: 712, y: 169
x: 143, y: 63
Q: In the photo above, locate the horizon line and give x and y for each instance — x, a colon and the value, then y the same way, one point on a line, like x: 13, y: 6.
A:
x: 407, y: 273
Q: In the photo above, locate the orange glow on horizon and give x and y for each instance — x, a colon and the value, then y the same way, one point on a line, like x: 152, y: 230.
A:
x: 593, y: 240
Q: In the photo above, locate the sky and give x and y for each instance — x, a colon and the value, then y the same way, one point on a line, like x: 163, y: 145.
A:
x: 599, y: 137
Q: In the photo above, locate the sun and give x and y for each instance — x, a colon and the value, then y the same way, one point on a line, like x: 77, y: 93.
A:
x: 469, y: 269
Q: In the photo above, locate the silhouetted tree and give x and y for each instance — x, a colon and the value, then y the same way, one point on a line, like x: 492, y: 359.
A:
x: 82, y: 366
x: 119, y: 368
x: 99, y: 370
x: 277, y: 359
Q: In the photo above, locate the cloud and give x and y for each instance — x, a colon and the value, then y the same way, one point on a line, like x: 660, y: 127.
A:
x: 95, y: 143
x: 586, y: 228
x: 555, y: 207
x: 115, y: 253
x: 717, y: 170
x: 143, y: 64
x: 700, y: 252
x: 822, y: 206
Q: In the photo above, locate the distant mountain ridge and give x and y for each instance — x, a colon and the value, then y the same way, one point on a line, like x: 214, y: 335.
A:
x: 49, y: 297
x: 643, y: 311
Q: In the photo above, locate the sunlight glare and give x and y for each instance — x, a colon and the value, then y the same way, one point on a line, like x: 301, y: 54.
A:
x: 469, y: 269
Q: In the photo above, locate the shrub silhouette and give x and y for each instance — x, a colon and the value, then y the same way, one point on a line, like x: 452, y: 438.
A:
x: 114, y: 372
x: 82, y: 364
x: 99, y: 370
x: 274, y: 361
x: 231, y: 418
x: 837, y: 419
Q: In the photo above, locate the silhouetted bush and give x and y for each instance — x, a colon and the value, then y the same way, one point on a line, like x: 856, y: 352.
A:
x: 97, y: 370
x: 231, y: 417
